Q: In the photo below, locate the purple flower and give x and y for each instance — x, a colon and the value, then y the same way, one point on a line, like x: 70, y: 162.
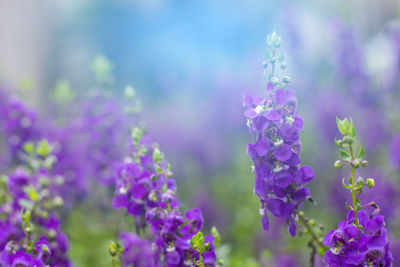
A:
x: 279, y: 180
x: 144, y: 189
x: 350, y: 246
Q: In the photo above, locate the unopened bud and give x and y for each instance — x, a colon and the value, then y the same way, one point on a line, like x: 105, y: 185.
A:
x: 348, y: 140
x: 370, y: 182
x: 274, y: 80
x: 286, y: 79
x: 364, y: 163
x: 338, y: 164
x: 355, y: 163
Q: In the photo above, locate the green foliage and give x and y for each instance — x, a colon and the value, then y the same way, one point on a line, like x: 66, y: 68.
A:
x: 197, y: 243
x: 43, y: 148
x: 115, y: 249
x: 361, y: 153
x: 217, y: 237
x: 101, y: 68
x: 63, y: 93
x: 158, y: 156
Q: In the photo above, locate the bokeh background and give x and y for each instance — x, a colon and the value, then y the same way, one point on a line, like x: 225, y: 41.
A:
x: 190, y: 62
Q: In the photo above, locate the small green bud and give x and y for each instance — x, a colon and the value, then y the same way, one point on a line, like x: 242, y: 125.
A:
x: 43, y: 148
x: 113, y: 249
x: 274, y: 80
x: 217, y: 237
x: 58, y: 201
x: 29, y: 147
x: 355, y: 163
x: 45, y: 248
x: 153, y: 196
x: 129, y: 92
x: 370, y: 182
x: 283, y: 66
x: 338, y: 164
x: 25, y: 216
x: 52, y: 234
x: 286, y: 79
x: 273, y: 60
x: 364, y: 163
x: 28, y: 230
x: 312, y: 222
x: 348, y: 140
x: 264, y: 64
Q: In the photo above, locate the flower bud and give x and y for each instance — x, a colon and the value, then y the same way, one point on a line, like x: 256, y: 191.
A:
x: 338, y: 164
x: 286, y: 79
x: 355, y: 163
x: 274, y: 80
x: 58, y: 201
x: 348, y: 140
x: 370, y: 182
x: 28, y: 230
x: 264, y: 64
x: 112, y: 249
x: 364, y: 163
x: 283, y: 65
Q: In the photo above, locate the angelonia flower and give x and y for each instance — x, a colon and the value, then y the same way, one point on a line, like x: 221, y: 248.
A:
x: 18, y: 124
x: 279, y: 179
x: 361, y: 239
x: 144, y: 187
x: 363, y: 246
x: 30, y: 230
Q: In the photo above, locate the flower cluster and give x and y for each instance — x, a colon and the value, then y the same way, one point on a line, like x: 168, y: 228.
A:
x: 18, y: 124
x: 359, y: 240
x: 144, y: 187
x: 279, y: 179
x: 28, y: 198
x: 351, y: 246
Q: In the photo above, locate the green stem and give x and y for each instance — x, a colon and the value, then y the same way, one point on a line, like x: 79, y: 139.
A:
x: 113, y: 262
x: 273, y: 65
x: 353, y: 189
x: 310, y: 229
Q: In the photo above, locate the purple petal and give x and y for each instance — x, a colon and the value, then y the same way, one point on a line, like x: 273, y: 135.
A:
x: 283, y: 152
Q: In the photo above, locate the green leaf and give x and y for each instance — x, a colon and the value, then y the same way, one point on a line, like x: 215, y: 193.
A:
x: 101, y: 67
x: 281, y: 57
x: 43, y: 148
x: 350, y: 180
x: 344, y: 183
x: 358, y: 205
x: 343, y: 126
x: 361, y: 153
x: 25, y: 204
x: 31, y: 192
x: 63, y: 93
x: 352, y: 129
x: 29, y: 147
x: 197, y: 242
x: 360, y: 183
x: 25, y: 216
x: 217, y: 237
x: 345, y: 155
